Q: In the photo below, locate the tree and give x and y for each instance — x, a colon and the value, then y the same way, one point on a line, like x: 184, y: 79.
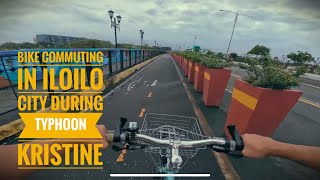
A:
x: 220, y: 55
x: 27, y: 45
x: 45, y: 45
x: 234, y: 56
x: 9, y: 45
x: 259, y: 50
x: 300, y: 57
x: 210, y: 52
x: 89, y: 43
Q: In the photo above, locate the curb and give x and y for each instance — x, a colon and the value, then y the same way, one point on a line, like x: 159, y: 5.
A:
x: 17, y: 126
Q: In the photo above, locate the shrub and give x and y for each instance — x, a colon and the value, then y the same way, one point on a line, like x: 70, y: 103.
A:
x: 270, y: 75
x: 300, y: 71
x: 213, y: 62
x: 208, y: 60
x: 193, y: 56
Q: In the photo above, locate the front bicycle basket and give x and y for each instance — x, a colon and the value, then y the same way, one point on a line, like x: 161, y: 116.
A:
x: 164, y: 126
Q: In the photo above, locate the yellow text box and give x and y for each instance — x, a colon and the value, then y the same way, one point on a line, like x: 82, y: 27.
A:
x: 60, y: 125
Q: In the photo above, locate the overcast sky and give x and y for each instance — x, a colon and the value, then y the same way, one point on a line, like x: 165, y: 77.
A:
x: 282, y: 25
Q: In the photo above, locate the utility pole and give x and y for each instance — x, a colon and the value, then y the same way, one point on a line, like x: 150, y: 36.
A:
x: 234, y: 25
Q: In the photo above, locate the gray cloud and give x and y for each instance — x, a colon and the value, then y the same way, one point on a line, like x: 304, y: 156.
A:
x: 284, y: 26
x: 152, y: 12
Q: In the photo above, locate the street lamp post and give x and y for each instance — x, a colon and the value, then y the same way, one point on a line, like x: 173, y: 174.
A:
x: 141, y: 33
x: 234, y: 25
x: 116, y: 24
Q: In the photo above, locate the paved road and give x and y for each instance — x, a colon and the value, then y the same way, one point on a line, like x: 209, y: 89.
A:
x: 168, y: 97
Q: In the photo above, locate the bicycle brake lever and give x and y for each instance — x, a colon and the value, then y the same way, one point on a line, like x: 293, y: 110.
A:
x: 236, y: 137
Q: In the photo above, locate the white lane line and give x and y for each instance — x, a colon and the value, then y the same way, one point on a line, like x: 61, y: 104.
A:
x: 304, y: 84
x: 120, y: 85
x: 236, y: 76
x: 154, y: 83
x: 132, y: 84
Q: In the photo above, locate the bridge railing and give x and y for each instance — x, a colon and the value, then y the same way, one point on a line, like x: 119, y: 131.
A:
x: 115, y: 61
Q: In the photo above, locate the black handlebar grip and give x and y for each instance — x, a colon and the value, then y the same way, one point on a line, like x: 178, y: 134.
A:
x: 123, y: 122
x: 236, y: 137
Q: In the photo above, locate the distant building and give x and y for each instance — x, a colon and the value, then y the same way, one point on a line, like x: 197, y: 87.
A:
x: 55, y: 39
x: 166, y: 48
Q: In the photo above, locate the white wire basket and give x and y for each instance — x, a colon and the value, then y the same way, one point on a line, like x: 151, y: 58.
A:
x: 164, y: 126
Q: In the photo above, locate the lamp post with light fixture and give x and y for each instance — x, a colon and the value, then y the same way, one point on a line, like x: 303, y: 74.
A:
x: 141, y: 33
x: 116, y: 24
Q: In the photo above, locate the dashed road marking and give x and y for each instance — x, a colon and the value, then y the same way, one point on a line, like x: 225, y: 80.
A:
x: 154, y: 83
x: 121, y: 155
x: 134, y: 75
x: 310, y: 102
x: 304, y: 84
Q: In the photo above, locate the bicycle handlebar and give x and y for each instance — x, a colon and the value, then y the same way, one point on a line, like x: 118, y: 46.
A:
x: 233, y: 147
x: 182, y: 144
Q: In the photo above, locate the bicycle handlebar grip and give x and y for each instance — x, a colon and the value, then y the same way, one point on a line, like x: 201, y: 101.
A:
x: 236, y: 137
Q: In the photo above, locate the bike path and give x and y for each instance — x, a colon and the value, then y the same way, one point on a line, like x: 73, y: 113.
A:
x: 156, y: 89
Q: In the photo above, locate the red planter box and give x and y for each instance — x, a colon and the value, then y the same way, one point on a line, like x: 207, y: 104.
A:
x: 259, y: 110
x: 186, y: 65
x: 191, y: 71
x: 178, y: 60
x: 198, y: 77
x: 214, y: 84
x: 183, y: 65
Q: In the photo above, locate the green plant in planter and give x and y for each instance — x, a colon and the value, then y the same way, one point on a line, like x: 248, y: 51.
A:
x: 193, y: 56
x: 270, y: 75
x: 213, y: 62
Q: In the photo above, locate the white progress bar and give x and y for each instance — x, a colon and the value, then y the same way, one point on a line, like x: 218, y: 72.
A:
x: 159, y: 175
